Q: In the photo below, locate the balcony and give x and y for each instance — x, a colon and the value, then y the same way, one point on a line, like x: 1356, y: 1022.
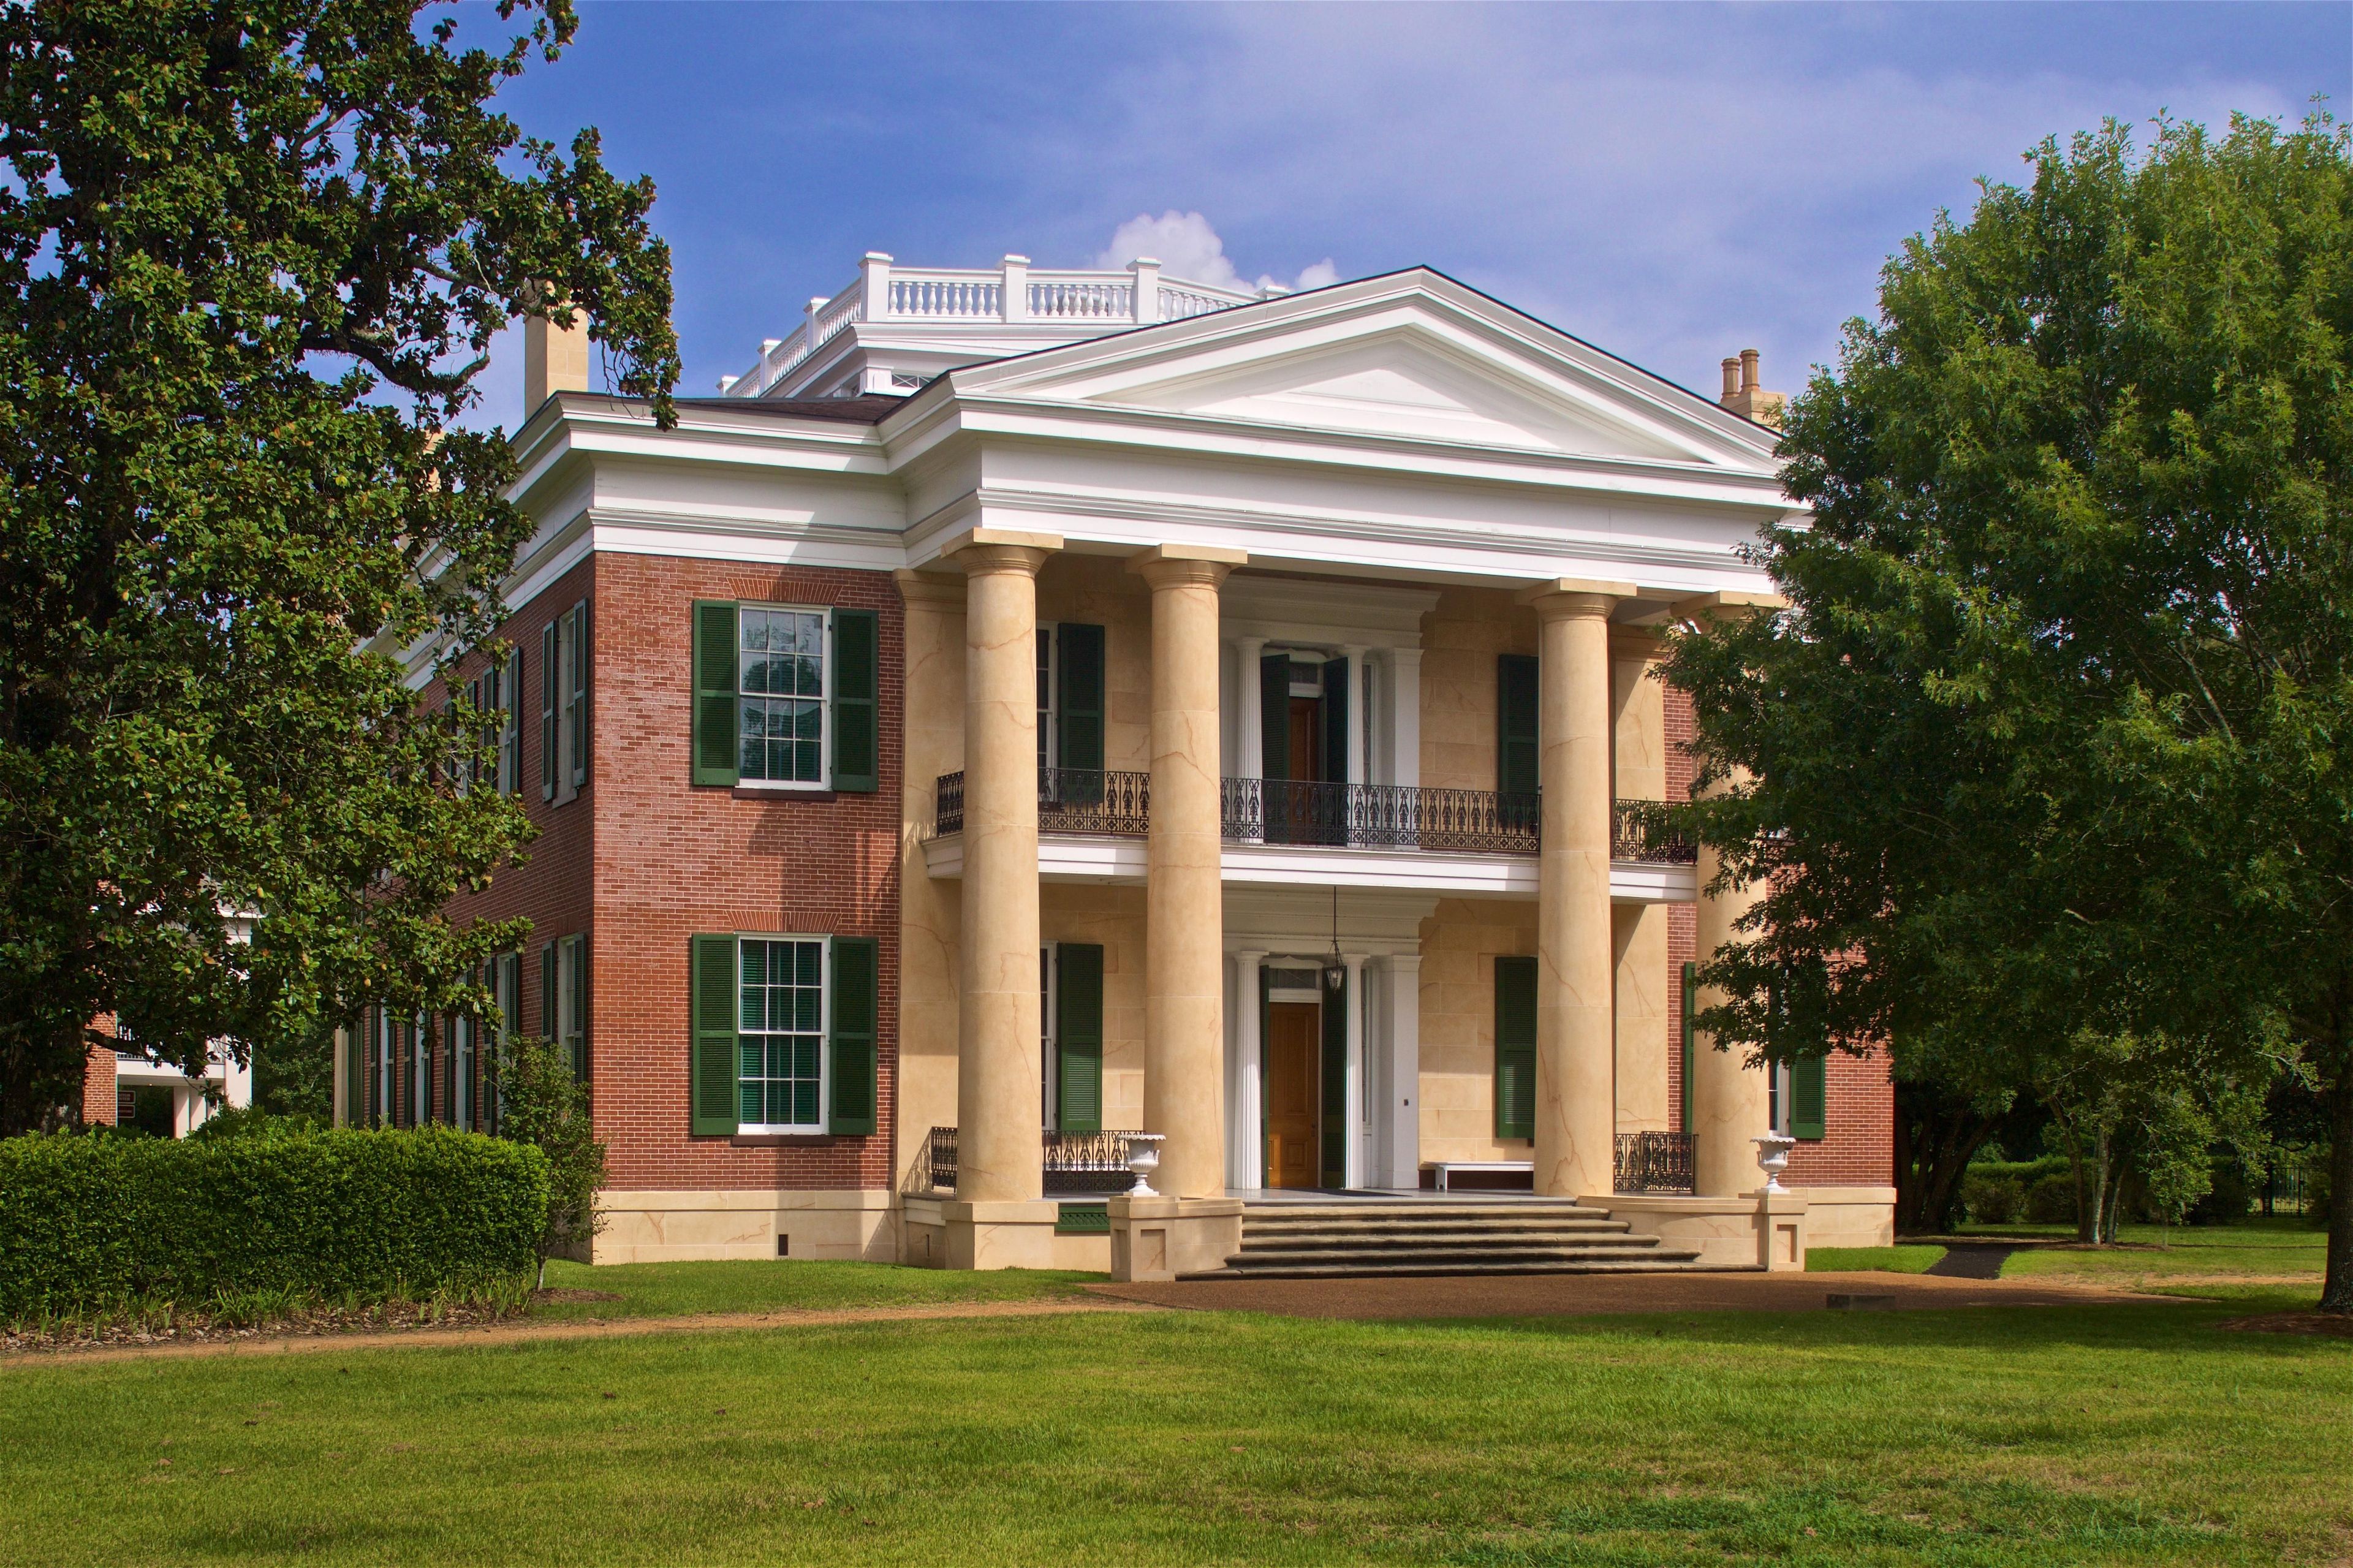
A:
x: 1078, y: 1165
x: 1288, y: 813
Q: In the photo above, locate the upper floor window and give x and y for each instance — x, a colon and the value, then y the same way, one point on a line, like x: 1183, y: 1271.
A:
x: 563, y: 704
x: 786, y: 695
x: 781, y: 674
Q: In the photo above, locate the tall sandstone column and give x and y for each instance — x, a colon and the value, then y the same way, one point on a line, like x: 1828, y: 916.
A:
x: 1639, y: 764
x: 999, y: 1155
x: 1731, y: 1103
x: 1184, y: 920
x: 1576, y: 1104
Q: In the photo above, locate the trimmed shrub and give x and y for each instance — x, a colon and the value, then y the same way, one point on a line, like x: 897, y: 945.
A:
x: 2050, y: 1199
x: 1992, y: 1196
x: 95, y: 1223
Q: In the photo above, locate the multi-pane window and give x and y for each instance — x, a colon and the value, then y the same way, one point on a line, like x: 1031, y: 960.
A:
x: 781, y: 675
x: 780, y: 1034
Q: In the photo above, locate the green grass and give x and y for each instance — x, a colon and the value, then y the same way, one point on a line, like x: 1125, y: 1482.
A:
x: 2082, y: 1436
x: 1909, y: 1259
x: 2276, y: 1248
x: 680, y: 1290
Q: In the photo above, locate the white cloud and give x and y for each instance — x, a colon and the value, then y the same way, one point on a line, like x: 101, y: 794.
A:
x: 1188, y: 246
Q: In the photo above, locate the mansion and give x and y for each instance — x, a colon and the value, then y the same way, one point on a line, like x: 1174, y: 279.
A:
x: 1029, y: 709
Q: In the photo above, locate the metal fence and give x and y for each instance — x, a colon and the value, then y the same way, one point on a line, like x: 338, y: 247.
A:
x: 1655, y: 1162
x: 1075, y: 1162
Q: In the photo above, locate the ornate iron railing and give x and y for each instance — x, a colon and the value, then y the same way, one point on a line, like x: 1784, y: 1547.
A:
x: 1293, y: 811
x: 1379, y: 816
x: 1076, y: 1162
x: 1655, y: 1162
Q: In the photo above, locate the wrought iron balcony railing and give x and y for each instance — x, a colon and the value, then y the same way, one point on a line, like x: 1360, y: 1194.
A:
x: 1076, y: 1163
x: 1655, y: 1162
x: 1293, y: 811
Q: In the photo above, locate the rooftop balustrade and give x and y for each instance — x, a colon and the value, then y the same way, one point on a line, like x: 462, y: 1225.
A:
x: 1010, y: 292
x: 1116, y: 804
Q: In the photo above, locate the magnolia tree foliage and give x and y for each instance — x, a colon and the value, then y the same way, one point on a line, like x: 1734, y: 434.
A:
x: 2051, y: 756
x: 250, y: 259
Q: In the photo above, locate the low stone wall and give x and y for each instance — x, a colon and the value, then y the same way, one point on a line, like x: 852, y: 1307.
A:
x: 662, y: 1226
x: 1849, y: 1216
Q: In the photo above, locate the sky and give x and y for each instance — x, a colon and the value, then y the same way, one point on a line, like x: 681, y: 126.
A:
x: 1670, y: 181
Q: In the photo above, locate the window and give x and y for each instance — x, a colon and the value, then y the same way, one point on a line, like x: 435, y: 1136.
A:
x: 781, y: 668
x: 563, y: 1000
x: 563, y: 704
x: 786, y: 697
x: 1777, y: 1119
x: 780, y: 1028
x: 785, y: 1034
x: 1047, y: 749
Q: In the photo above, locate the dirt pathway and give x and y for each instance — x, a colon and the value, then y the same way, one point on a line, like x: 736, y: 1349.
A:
x: 516, y: 1330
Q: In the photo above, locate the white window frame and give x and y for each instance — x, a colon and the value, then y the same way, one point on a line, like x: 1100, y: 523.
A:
x: 1050, y: 680
x: 1049, y: 1032
x: 824, y: 781
x: 571, y: 952
x: 824, y: 1033
x: 387, y: 1072
x: 1781, y: 1080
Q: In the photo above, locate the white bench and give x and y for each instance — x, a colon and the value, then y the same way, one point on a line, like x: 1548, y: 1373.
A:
x: 1446, y: 1168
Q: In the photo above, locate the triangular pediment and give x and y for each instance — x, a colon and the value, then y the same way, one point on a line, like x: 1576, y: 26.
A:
x: 1412, y: 356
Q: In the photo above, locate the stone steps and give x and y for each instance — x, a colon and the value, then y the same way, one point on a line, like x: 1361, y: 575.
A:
x: 1283, y: 1240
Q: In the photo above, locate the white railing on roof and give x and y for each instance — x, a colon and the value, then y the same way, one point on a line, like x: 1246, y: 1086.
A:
x: 1135, y: 295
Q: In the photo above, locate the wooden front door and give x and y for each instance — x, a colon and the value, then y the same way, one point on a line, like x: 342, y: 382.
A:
x: 1292, y: 1033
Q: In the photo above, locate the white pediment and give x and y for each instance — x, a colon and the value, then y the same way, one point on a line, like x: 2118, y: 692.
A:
x: 1412, y: 356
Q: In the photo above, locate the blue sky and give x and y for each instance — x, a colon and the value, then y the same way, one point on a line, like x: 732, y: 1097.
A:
x: 1670, y: 181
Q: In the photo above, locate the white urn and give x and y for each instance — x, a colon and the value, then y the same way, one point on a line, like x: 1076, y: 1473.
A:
x: 1773, y: 1158
x: 1143, y: 1158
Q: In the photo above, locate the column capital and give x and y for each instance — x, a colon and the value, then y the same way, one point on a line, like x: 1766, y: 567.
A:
x: 1186, y: 565
x: 929, y: 587
x: 1727, y: 605
x: 987, y: 551
x: 1575, y: 598
x: 1401, y: 962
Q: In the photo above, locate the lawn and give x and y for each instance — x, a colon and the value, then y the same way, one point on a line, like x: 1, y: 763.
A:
x: 2135, y: 1434
x: 679, y: 1289
x: 1905, y: 1259
x: 2280, y: 1248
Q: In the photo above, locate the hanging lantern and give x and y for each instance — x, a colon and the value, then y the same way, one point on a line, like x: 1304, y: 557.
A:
x: 1336, y: 968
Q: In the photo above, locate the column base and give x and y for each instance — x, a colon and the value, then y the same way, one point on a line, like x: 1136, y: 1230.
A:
x: 1159, y: 1238
x: 1748, y: 1230
x: 946, y: 1234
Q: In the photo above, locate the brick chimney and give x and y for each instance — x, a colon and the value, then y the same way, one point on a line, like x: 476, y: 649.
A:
x: 555, y: 358
x: 1745, y: 397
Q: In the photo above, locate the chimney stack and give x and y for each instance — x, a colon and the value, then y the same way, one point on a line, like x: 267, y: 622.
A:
x: 555, y: 358
x: 1744, y: 394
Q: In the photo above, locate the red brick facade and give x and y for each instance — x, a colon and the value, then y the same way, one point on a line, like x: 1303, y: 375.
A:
x: 641, y: 860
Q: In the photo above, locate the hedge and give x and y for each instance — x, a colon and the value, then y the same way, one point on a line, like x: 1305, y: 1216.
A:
x: 95, y: 1222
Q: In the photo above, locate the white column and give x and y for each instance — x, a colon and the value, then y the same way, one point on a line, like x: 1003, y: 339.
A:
x: 1404, y: 720
x: 1148, y: 288
x: 1250, y: 723
x: 1401, y: 991
x: 808, y: 324
x: 874, y: 285
x: 1249, y: 1146
x: 1355, y: 772
x: 1014, y: 297
x: 1352, y: 1162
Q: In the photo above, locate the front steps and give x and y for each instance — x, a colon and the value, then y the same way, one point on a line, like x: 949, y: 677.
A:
x: 1347, y: 1238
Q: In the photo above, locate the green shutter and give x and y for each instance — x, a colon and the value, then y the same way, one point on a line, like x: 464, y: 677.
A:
x: 1274, y: 715
x: 548, y: 676
x: 576, y: 701
x: 1079, y: 678
x: 1515, y: 1048
x: 1516, y: 767
x: 1690, y: 1005
x: 1336, y: 721
x: 710, y: 1056
x: 547, y: 994
x: 1809, y: 1096
x: 857, y: 702
x: 855, y: 1004
x: 715, y: 722
x: 576, y: 1042
x: 1335, y: 1118
x: 1077, y: 1016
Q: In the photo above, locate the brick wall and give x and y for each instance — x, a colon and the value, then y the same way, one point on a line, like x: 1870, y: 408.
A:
x: 671, y: 860
x: 1857, y: 1148
x: 98, y: 1098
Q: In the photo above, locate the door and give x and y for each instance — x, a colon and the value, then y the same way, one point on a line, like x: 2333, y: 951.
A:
x: 1293, y: 1031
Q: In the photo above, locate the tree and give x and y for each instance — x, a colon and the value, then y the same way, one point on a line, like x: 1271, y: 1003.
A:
x: 543, y: 1102
x: 251, y: 261
x: 2049, y: 746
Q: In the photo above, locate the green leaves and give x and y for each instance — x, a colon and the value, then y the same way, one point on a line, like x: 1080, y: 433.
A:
x: 250, y: 259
